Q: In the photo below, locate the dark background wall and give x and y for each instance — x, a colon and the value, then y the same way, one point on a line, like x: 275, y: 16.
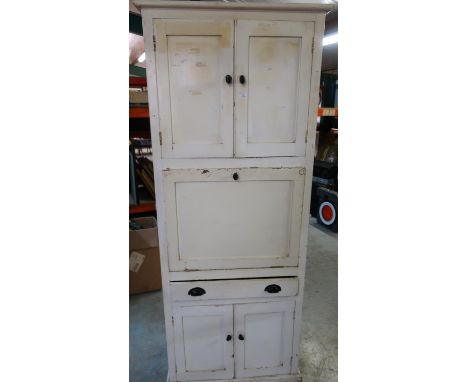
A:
x: 330, y: 52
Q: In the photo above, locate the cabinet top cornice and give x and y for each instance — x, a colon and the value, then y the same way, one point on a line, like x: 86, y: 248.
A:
x: 285, y: 5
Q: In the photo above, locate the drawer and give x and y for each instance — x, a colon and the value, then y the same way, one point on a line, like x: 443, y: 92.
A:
x: 230, y: 289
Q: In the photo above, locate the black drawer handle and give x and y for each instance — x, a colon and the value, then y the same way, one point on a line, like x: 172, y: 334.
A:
x: 235, y: 176
x: 228, y: 78
x: 273, y: 288
x: 241, y: 337
x: 229, y: 337
x: 242, y: 79
x: 194, y: 292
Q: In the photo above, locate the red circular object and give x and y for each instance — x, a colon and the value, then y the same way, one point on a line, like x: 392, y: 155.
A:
x: 327, y: 213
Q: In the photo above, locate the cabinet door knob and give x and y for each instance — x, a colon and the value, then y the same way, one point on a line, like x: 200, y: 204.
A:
x: 228, y: 78
x: 241, y: 337
x: 273, y: 288
x: 235, y: 176
x: 242, y: 79
x: 197, y: 291
x: 229, y: 337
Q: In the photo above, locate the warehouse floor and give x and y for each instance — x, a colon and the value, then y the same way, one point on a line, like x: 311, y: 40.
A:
x: 319, y: 338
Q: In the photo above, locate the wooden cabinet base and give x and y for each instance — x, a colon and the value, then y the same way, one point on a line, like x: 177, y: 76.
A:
x: 276, y: 378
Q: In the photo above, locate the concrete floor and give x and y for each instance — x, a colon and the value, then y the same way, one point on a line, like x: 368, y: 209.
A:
x: 319, y: 336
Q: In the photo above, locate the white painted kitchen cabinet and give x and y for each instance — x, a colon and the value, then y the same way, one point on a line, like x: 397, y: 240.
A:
x: 233, y: 93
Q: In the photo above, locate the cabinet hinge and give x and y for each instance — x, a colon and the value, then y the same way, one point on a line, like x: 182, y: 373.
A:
x: 307, y: 133
x: 313, y: 43
x: 154, y: 43
x: 160, y: 139
x: 172, y: 320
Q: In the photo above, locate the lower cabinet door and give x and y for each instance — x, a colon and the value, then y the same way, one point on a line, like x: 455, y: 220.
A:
x: 263, y: 338
x: 203, y: 342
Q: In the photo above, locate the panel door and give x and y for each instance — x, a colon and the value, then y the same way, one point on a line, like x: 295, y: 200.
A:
x: 274, y: 58
x: 263, y: 338
x: 202, y: 346
x: 195, y: 101
x: 233, y: 218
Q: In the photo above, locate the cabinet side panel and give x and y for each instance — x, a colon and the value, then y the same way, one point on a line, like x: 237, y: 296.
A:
x: 312, y: 124
x: 148, y: 29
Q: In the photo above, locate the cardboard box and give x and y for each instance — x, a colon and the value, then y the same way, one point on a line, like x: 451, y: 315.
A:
x: 145, y: 268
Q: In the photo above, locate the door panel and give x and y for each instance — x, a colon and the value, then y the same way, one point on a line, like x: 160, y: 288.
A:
x: 216, y: 222
x: 266, y: 345
x: 202, y: 351
x: 272, y: 104
x: 272, y: 89
x: 195, y: 102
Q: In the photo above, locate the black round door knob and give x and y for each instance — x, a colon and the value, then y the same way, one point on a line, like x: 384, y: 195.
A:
x: 235, y: 176
x: 228, y: 78
x: 241, y: 337
x: 242, y: 79
x: 229, y: 337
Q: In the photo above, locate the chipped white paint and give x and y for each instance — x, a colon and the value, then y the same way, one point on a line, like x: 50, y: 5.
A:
x: 212, y: 227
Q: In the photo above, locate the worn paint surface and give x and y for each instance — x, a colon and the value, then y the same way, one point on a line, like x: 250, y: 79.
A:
x: 255, y: 217
x: 271, y: 107
x: 196, y: 112
x: 202, y: 156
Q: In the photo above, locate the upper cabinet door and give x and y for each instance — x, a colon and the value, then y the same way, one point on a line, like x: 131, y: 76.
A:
x: 273, y: 69
x: 195, y: 96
